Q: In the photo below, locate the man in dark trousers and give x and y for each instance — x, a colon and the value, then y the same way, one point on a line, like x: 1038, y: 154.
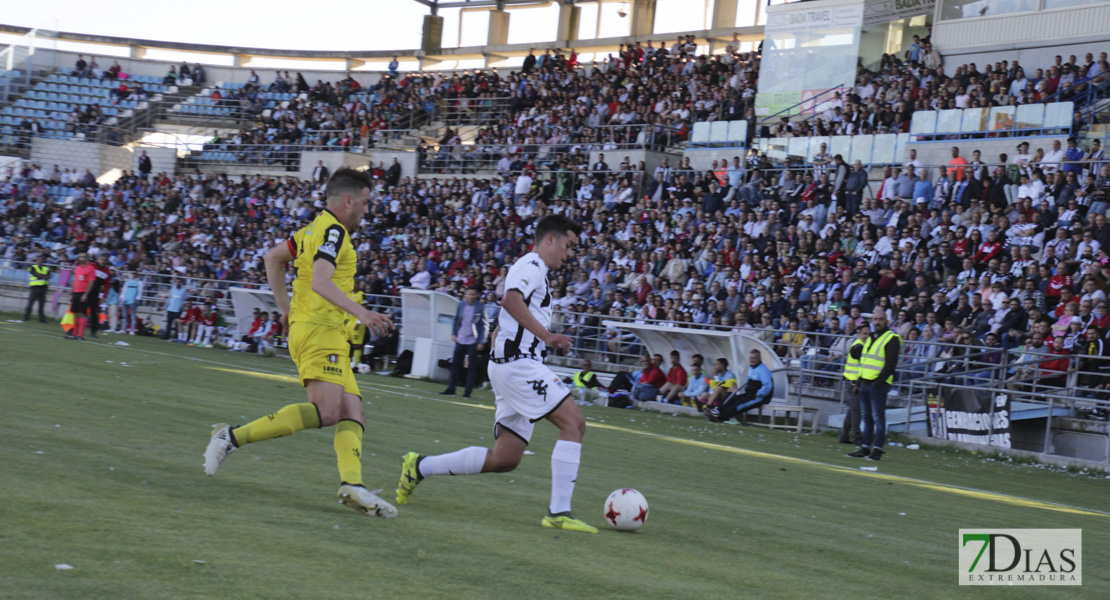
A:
x: 469, y: 332
x: 757, y: 392
x: 850, y: 432
x: 876, y: 369
x: 39, y: 275
x: 145, y: 166
x: 393, y: 174
x: 98, y: 289
x: 320, y: 173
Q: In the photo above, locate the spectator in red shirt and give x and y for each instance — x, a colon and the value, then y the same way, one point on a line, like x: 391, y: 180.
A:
x: 206, y: 324
x: 1066, y: 299
x: 1059, y: 281
x: 651, y: 379
x: 676, y: 379
x: 190, y: 322
x: 989, y: 249
x: 1055, y: 372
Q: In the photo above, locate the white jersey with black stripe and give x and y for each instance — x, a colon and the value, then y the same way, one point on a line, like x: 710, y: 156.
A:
x: 528, y: 275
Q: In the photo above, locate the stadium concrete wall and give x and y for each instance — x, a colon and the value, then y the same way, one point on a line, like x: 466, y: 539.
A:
x: 51, y: 60
x: 651, y: 159
x: 335, y: 160
x: 1033, y: 38
x: 702, y: 158
x: 939, y: 153
x: 162, y: 160
x: 100, y: 159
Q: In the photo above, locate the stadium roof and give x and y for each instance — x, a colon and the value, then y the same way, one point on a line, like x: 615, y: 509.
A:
x: 435, y: 5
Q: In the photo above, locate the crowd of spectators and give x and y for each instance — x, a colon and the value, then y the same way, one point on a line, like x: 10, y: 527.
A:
x: 342, y: 115
x: 646, y: 96
x: 1013, y: 256
x: 883, y: 101
x: 957, y: 268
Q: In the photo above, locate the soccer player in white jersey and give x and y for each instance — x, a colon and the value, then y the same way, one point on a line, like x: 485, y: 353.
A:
x: 525, y: 390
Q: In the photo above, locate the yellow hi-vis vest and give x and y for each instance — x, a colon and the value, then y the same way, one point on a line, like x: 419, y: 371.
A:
x: 581, y: 377
x: 39, y: 275
x: 851, y: 365
x: 874, y: 357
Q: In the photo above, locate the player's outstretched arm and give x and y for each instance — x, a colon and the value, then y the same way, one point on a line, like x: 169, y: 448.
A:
x: 322, y: 271
x: 518, y: 310
x: 275, y: 261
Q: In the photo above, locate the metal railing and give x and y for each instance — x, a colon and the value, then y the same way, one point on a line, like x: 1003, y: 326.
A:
x: 612, y: 349
x: 1070, y: 389
x: 455, y: 112
x: 1087, y: 97
x: 20, y: 140
x: 799, y: 107
x: 151, y: 302
x: 17, y: 61
x: 331, y: 138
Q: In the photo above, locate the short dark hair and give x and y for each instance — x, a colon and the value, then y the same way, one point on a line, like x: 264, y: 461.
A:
x: 558, y: 225
x: 347, y: 181
x: 723, y: 361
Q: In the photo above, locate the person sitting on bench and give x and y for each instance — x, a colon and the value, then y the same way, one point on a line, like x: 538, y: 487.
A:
x: 756, y: 392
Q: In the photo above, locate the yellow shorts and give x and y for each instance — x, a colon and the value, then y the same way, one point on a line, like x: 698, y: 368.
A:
x: 321, y: 352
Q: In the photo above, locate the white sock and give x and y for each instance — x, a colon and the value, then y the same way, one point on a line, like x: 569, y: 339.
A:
x: 467, y: 461
x: 564, y: 472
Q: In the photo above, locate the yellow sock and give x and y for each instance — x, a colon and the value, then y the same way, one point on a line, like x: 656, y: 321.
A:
x: 287, y: 421
x: 348, y: 451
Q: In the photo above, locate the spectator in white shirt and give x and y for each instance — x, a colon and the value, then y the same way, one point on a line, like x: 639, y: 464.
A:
x: 916, y: 164
x: 1053, y: 159
x: 1088, y: 247
x: 422, y: 279
x: 522, y: 189
x: 1030, y: 189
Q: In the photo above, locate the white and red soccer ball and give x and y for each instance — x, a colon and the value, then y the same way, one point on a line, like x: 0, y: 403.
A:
x: 626, y: 510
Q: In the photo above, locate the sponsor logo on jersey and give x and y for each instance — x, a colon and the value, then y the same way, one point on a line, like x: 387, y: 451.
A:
x: 332, y: 358
x: 329, y: 249
x: 333, y: 235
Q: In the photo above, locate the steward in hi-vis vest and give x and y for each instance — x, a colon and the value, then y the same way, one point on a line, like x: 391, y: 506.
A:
x: 38, y: 275
x: 876, y: 374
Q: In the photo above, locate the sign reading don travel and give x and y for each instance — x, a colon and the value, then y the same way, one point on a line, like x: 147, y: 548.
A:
x: 830, y: 17
x: 885, y: 11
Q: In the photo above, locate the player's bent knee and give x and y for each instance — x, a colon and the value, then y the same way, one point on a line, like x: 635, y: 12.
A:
x: 352, y: 409
x: 501, y: 464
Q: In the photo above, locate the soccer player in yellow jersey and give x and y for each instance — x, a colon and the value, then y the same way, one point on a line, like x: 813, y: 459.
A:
x: 325, y: 261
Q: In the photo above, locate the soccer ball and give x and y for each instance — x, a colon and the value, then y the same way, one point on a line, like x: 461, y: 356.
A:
x: 626, y: 509
x: 362, y: 368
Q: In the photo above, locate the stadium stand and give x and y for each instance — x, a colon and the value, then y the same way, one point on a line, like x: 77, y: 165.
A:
x: 789, y: 246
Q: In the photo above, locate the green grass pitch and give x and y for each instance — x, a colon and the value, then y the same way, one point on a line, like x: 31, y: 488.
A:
x: 101, y: 470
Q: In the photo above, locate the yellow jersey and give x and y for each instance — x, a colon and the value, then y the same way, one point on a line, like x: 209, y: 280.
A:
x: 324, y: 238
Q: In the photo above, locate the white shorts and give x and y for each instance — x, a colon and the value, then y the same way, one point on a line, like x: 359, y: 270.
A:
x: 524, y: 392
